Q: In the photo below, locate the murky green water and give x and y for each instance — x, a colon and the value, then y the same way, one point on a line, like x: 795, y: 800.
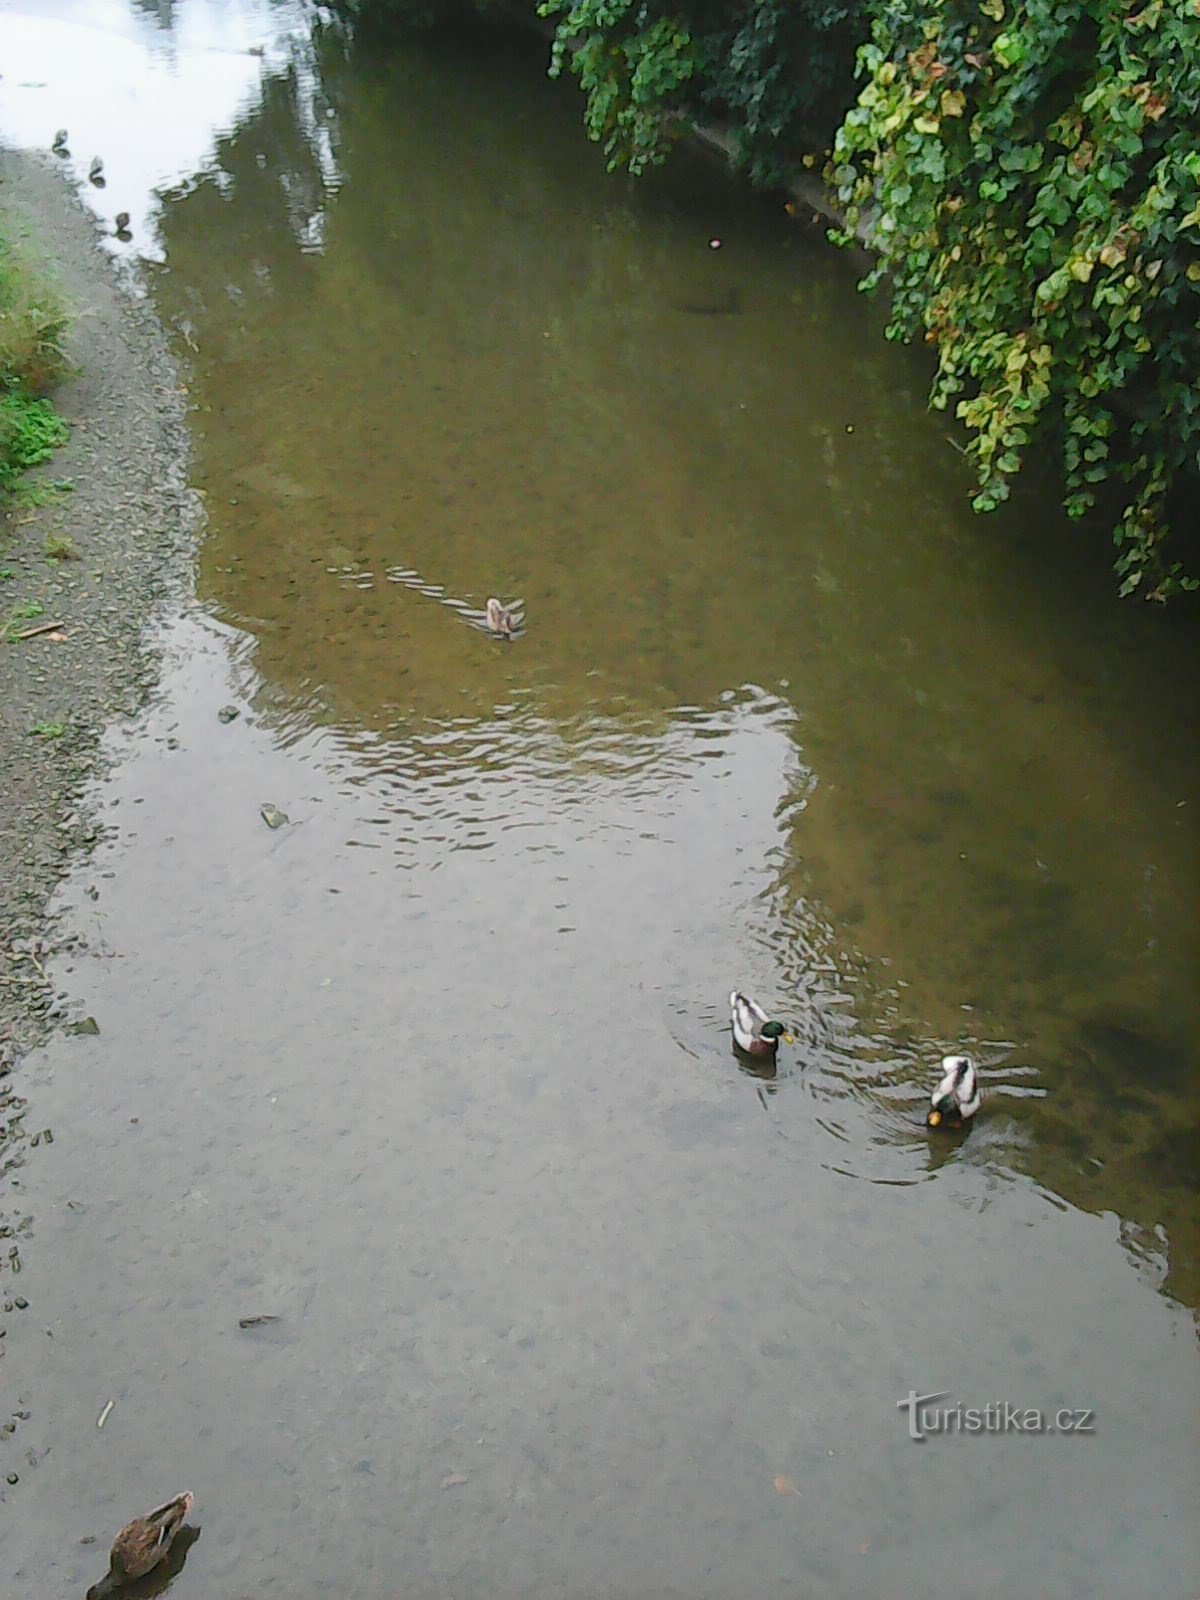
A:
x: 439, y: 1073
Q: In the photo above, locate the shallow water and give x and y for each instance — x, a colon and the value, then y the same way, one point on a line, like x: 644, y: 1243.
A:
x: 439, y: 1072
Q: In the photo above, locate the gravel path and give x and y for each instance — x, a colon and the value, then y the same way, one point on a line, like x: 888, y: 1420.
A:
x: 133, y: 523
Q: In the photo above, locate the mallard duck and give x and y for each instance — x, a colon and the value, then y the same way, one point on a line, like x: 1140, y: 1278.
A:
x: 753, y: 1030
x: 122, y: 221
x: 499, y: 618
x: 957, y: 1098
x: 59, y: 145
x: 139, y: 1548
x: 96, y: 170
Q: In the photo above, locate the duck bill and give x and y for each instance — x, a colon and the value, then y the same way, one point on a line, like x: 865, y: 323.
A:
x: 934, y: 1119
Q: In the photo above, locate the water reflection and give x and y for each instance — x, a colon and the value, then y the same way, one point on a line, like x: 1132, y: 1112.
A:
x: 147, y: 87
x: 441, y: 1072
x: 521, y: 397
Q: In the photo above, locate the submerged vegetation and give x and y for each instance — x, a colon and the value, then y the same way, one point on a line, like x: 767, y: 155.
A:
x: 33, y: 325
x: 1026, y: 171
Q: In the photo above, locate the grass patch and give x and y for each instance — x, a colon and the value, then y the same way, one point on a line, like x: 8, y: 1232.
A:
x: 61, y: 547
x: 33, y: 329
x: 35, y: 492
x: 33, y: 321
x: 30, y: 432
x: 23, y: 611
x: 49, y: 730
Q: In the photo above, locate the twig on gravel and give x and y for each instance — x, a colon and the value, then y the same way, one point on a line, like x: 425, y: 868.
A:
x: 42, y: 627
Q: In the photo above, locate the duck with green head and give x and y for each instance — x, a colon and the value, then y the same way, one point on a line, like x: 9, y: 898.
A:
x: 957, y: 1097
x: 753, y: 1031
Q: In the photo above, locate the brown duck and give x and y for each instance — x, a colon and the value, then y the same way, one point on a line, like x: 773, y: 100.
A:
x: 499, y: 618
x: 139, y: 1548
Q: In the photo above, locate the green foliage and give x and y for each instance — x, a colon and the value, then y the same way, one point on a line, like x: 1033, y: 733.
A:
x: 632, y: 65
x: 33, y: 325
x: 30, y: 431
x: 1030, y: 174
x: 49, y: 730
x: 778, y: 72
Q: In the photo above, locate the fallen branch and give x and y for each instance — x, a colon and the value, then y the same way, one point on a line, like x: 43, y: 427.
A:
x: 42, y: 627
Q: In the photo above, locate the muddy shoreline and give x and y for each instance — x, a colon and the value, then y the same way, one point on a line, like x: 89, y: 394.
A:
x: 131, y: 521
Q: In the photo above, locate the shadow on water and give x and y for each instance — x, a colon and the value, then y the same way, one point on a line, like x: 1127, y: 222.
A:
x: 161, y: 1579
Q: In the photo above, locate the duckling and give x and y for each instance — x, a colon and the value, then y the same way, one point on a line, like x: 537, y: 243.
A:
x: 499, y: 618
x: 957, y: 1097
x: 753, y: 1030
x: 59, y: 144
x: 140, y: 1546
x: 96, y: 172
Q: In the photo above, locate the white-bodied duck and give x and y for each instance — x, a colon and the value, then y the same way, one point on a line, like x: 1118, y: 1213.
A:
x: 753, y: 1031
x: 957, y: 1098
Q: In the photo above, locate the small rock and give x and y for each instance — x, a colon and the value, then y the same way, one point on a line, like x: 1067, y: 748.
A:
x: 273, y: 816
x: 85, y: 1025
x: 228, y: 713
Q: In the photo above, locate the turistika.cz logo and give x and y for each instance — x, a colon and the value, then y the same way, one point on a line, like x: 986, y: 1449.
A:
x: 926, y: 1417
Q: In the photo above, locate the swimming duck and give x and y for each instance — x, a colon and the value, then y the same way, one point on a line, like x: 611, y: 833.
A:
x: 59, y: 145
x: 122, y: 221
x: 499, y: 618
x: 140, y: 1546
x: 96, y: 170
x: 957, y: 1098
x: 753, y: 1030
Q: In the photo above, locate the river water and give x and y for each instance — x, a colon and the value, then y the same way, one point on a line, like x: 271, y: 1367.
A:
x: 438, y: 1072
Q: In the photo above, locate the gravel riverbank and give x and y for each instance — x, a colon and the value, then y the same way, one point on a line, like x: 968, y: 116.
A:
x: 131, y: 523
